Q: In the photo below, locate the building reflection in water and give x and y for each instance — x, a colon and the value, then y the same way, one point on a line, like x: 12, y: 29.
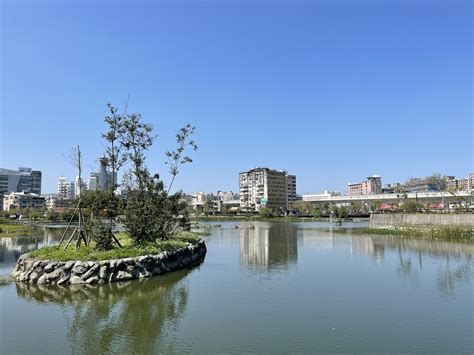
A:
x: 12, y: 247
x: 366, y: 245
x: 455, y: 259
x: 269, y: 247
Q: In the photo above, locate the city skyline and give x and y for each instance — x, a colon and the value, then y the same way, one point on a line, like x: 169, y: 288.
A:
x: 332, y: 94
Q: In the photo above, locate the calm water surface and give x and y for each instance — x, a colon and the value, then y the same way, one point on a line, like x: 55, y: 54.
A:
x: 263, y: 288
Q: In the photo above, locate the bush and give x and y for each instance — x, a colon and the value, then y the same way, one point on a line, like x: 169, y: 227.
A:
x: 411, y: 206
x: 266, y: 212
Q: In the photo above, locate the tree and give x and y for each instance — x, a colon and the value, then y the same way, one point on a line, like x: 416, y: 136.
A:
x: 339, y: 211
x: 176, y: 157
x: 150, y: 212
x: 207, y: 208
x: 411, y: 206
x: 112, y: 136
x: 438, y: 181
x: 103, y: 206
x: 266, y: 212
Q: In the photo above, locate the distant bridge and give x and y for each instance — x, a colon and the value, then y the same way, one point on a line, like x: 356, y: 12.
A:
x: 425, y: 197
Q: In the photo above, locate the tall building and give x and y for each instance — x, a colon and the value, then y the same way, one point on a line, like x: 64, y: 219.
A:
x: 371, y: 186
x: 93, y: 181
x: 23, y: 179
x: 264, y: 187
x: 291, y: 188
x: 66, y: 189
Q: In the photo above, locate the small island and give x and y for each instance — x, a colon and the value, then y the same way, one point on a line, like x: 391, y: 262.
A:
x: 156, y: 237
x: 51, y: 265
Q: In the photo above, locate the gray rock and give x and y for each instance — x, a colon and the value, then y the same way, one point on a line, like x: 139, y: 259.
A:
x: 42, y: 279
x: 91, y: 271
x: 68, y: 265
x: 54, y: 275
x: 123, y: 275
x: 79, y: 268
x: 92, y: 280
x: 103, y: 273
x: 63, y: 280
x: 74, y: 280
x: 34, y: 276
x: 50, y: 267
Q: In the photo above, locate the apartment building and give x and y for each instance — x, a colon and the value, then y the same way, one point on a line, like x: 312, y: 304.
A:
x: 371, y: 186
x: 24, y: 199
x: 463, y: 184
x: 264, y: 187
x: 66, y: 189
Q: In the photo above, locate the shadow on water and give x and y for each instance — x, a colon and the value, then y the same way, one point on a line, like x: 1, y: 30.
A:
x: 124, y: 317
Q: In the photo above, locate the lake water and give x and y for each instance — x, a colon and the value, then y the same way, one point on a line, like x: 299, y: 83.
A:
x: 263, y: 288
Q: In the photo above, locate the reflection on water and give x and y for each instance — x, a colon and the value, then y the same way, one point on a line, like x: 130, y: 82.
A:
x: 269, y: 247
x: 319, y: 290
x: 12, y: 247
x: 273, y: 247
x: 455, y: 262
x: 134, y: 317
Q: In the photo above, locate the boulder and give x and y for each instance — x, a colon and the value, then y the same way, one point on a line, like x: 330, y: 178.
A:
x: 74, y: 280
x: 79, y: 268
x: 91, y: 271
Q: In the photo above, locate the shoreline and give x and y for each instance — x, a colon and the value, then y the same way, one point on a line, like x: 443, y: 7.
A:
x: 445, y: 233
x: 34, y: 270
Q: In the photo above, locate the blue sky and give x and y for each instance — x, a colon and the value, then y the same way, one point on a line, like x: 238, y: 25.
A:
x: 332, y: 91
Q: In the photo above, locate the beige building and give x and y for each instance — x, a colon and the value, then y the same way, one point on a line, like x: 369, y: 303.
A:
x: 371, y: 186
x: 463, y: 184
x: 20, y: 200
x: 264, y: 187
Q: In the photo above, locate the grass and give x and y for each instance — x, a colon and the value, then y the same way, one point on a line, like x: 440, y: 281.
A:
x: 13, y: 229
x: 436, y: 233
x: 128, y: 250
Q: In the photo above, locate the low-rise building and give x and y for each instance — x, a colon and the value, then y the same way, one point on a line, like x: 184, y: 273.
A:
x: 458, y: 184
x: 371, y: 186
x: 420, y: 185
x: 21, y: 200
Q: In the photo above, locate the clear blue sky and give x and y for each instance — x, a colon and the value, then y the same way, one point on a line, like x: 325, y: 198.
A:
x: 332, y: 91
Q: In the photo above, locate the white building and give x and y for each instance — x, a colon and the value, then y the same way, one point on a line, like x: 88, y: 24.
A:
x: 227, y: 195
x: 20, y: 200
x: 264, y: 187
x: 93, y: 181
x: 66, y: 189
x: 79, y: 185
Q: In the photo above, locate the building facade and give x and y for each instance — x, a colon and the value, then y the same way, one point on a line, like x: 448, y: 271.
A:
x: 21, y: 200
x: 371, y: 186
x: 458, y: 184
x: 66, y: 189
x: 23, y: 179
x: 264, y: 187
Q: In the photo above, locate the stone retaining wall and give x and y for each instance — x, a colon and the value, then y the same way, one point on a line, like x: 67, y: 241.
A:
x: 421, y: 219
x: 89, y: 272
